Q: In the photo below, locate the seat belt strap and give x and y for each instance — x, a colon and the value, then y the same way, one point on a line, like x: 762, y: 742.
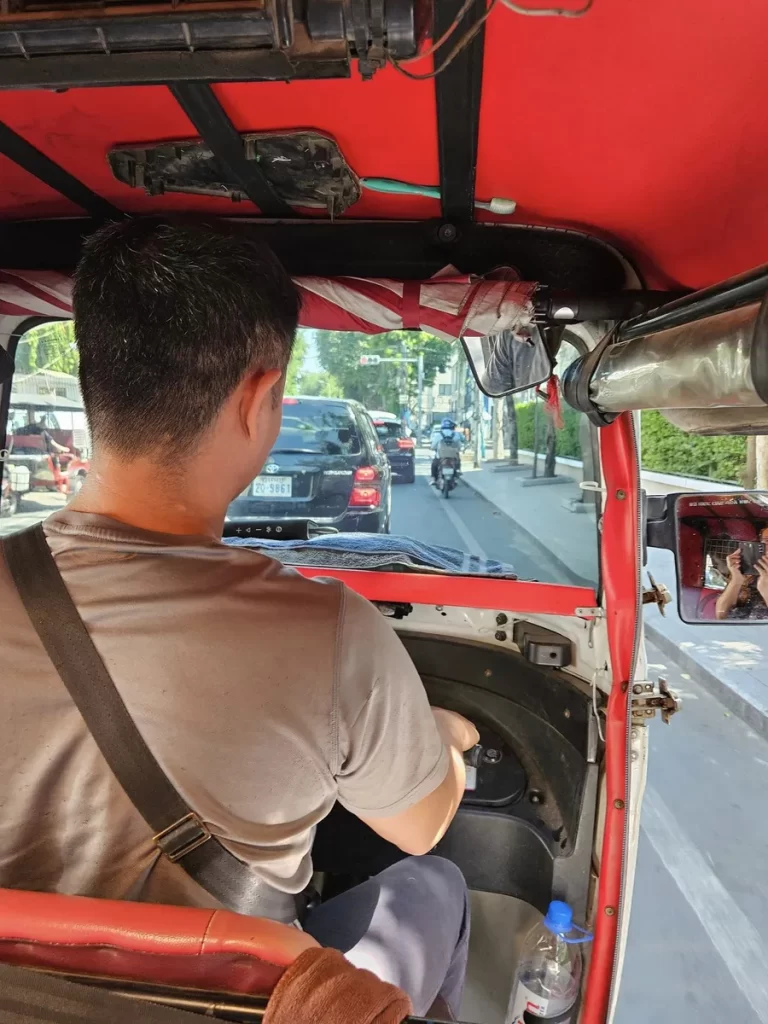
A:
x: 180, y: 834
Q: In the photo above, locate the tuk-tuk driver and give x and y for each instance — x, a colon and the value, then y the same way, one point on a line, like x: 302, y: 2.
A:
x: 266, y: 697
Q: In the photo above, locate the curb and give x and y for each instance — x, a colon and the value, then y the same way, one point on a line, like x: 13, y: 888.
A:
x: 728, y: 694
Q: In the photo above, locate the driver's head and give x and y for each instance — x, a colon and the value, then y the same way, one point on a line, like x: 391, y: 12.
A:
x: 185, y: 331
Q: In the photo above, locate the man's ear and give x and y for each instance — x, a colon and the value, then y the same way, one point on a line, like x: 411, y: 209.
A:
x: 258, y: 392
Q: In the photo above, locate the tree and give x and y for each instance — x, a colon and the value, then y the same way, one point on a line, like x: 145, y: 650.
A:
x: 551, y: 448
x: 50, y: 346
x: 749, y: 475
x: 512, y: 441
x: 320, y: 384
x: 294, y: 366
x: 761, y: 462
x: 378, y: 387
x: 497, y: 428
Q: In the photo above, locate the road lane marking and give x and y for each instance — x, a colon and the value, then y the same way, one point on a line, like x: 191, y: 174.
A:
x: 472, y: 547
x: 729, y: 929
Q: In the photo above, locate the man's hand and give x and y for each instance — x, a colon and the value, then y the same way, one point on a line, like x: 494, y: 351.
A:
x: 734, y: 567
x: 762, y: 577
x: 456, y: 730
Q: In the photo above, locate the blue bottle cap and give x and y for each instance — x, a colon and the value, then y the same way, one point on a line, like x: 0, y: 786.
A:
x: 559, y: 917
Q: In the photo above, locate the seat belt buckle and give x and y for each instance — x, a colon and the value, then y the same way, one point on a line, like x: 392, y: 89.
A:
x: 182, y: 837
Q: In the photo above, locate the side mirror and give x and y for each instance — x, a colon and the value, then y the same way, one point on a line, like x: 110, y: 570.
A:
x: 720, y: 541
x: 504, y: 363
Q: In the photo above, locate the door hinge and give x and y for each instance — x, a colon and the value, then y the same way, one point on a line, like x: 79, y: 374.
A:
x: 589, y: 613
x: 646, y: 702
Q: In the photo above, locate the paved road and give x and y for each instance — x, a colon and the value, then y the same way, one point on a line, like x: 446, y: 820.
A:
x: 468, y: 522
x: 698, y: 941
x: 35, y: 507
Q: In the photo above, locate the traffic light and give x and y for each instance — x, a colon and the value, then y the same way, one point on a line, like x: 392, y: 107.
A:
x: 370, y: 360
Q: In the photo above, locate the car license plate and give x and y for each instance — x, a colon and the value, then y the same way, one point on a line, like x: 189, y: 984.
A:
x: 448, y: 471
x: 272, y: 487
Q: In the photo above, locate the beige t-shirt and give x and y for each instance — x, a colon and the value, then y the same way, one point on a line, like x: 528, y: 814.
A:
x: 264, y: 696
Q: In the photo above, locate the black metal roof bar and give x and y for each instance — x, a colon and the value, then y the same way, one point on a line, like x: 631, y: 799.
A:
x: 23, y: 153
x: 457, y: 91
x: 199, y: 103
x: 568, y: 261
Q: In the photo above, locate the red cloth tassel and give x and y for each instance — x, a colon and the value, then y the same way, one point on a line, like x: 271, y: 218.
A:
x: 552, y: 402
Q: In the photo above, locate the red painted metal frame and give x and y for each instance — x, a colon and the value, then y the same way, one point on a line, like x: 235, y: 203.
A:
x: 462, y: 591
x: 620, y: 555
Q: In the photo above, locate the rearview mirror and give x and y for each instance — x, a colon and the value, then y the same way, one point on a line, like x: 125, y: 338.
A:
x: 504, y: 363
x: 721, y: 551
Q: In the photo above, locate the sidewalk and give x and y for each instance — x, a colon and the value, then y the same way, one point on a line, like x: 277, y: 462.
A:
x: 731, y: 661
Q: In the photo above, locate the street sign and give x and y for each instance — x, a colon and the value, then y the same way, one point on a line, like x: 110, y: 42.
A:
x: 370, y: 360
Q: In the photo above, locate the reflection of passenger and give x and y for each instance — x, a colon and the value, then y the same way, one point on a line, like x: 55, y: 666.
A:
x: 514, y: 362
x: 745, y: 596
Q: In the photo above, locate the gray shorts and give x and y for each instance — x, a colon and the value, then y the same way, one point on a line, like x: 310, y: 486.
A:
x: 409, y: 925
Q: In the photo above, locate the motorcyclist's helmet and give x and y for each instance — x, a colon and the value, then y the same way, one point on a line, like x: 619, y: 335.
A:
x: 447, y: 424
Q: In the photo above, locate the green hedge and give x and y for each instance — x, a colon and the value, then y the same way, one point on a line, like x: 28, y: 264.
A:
x: 567, y: 439
x: 664, y: 448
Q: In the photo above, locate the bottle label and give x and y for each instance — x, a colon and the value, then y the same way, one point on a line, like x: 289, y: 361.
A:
x: 526, y: 1001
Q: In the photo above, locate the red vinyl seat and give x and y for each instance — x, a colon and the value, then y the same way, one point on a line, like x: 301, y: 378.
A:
x: 209, y: 950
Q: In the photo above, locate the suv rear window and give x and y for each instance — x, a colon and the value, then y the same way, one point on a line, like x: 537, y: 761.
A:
x: 387, y: 430
x: 326, y: 428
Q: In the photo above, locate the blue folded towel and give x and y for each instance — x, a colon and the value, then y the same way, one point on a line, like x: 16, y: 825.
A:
x: 374, y: 551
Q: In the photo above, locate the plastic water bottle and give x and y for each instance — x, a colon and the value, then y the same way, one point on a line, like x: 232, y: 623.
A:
x: 549, y: 973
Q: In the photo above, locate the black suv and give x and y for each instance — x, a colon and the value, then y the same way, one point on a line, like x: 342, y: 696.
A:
x: 327, y: 466
x: 399, y: 449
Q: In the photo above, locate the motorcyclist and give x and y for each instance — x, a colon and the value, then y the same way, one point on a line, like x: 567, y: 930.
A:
x: 447, y: 443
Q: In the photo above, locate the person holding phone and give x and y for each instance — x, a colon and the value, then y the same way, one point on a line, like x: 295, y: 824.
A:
x: 745, y: 595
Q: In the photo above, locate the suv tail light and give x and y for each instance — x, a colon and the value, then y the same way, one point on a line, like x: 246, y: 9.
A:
x: 406, y: 442
x: 365, y: 489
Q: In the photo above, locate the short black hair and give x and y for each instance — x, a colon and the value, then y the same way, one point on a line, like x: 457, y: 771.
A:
x: 169, y: 317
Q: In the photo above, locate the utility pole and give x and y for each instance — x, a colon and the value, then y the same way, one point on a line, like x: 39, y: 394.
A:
x: 479, y: 429
x: 420, y: 398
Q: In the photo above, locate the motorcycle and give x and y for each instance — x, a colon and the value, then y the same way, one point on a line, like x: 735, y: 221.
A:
x: 447, y: 474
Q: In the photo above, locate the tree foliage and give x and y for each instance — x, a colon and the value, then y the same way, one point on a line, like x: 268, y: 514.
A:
x: 378, y: 387
x: 50, y: 346
x: 319, y: 384
x: 294, y: 366
x: 667, y: 449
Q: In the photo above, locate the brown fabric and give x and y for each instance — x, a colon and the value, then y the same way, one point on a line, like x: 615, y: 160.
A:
x: 322, y: 987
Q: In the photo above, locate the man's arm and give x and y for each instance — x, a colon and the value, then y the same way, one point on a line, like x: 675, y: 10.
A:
x: 398, y: 763
x: 419, y: 828
x: 727, y: 600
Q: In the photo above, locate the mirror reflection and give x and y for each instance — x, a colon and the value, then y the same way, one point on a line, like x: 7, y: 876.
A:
x: 722, y: 540
x: 507, y: 362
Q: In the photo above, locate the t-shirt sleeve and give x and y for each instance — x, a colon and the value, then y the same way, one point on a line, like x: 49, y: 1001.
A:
x: 389, y: 752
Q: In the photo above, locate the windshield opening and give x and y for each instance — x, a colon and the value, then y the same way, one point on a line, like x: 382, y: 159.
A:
x: 356, y: 458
